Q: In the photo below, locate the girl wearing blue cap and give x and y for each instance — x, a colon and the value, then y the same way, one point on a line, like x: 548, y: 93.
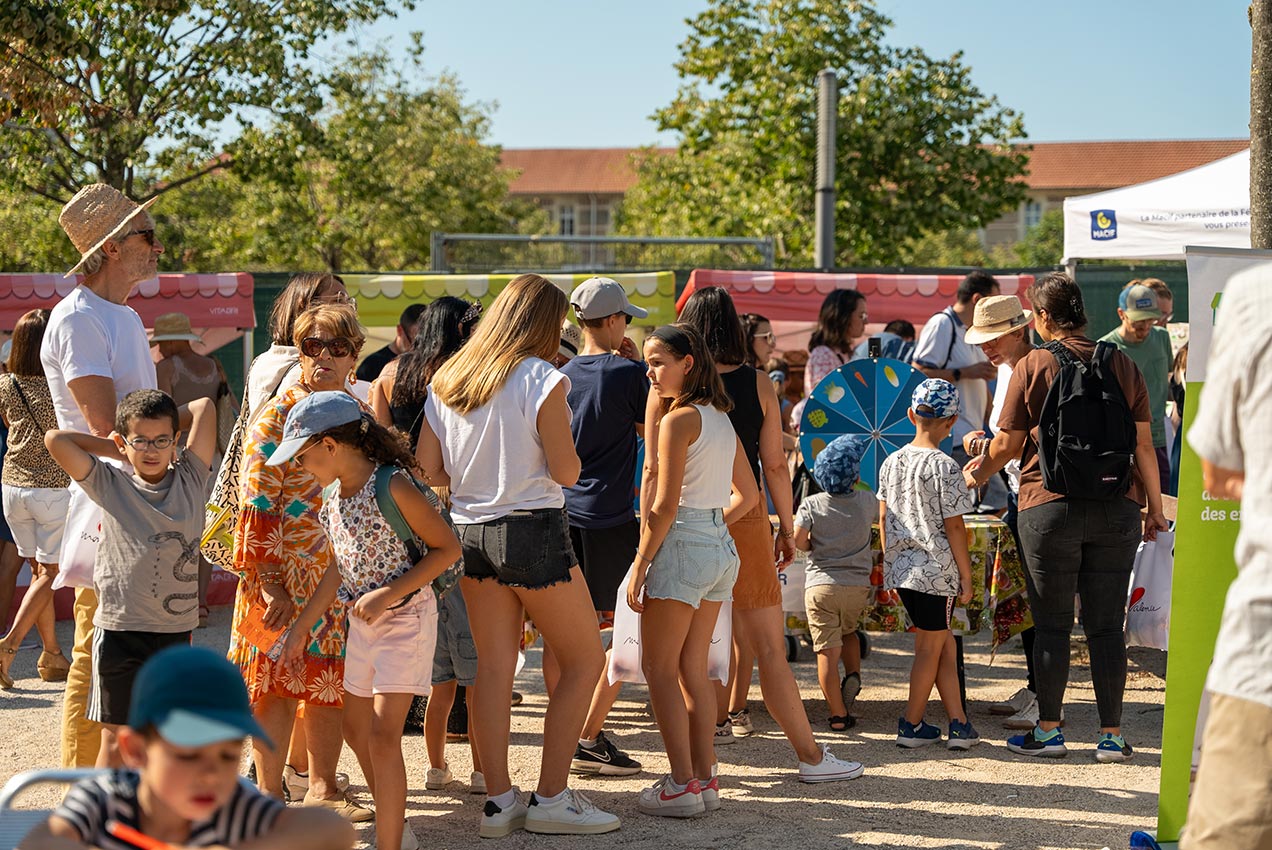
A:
x: 392, y: 609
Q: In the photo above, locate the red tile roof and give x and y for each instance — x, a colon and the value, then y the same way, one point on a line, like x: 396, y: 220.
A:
x: 1053, y: 165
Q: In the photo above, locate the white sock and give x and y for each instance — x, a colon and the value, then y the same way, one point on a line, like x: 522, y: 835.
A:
x: 674, y: 788
x: 504, y: 800
x: 590, y: 743
x: 547, y: 801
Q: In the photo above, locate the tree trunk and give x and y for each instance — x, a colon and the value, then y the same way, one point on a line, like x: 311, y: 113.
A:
x: 1261, y: 124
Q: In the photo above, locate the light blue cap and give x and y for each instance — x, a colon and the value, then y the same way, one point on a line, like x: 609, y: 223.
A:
x: 316, y: 413
x: 939, y: 395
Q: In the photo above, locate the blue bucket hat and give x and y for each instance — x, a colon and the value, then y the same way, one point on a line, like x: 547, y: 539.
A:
x: 316, y: 413
x: 193, y: 697
x: 940, y: 395
x: 838, y: 466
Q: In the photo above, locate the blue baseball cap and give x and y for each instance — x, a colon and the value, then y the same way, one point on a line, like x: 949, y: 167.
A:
x: 838, y: 466
x: 939, y: 395
x: 316, y: 413
x: 1139, y: 302
x: 193, y: 697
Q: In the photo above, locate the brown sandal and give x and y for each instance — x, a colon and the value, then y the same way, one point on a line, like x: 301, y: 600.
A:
x: 53, y: 666
x: 6, y: 660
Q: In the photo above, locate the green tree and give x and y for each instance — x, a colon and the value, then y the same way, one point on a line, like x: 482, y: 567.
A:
x: 89, y: 89
x: 920, y: 148
x: 1043, y: 245
x: 949, y: 248
x: 36, y: 242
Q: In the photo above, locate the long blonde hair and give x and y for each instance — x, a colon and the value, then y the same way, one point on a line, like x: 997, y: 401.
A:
x: 524, y: 321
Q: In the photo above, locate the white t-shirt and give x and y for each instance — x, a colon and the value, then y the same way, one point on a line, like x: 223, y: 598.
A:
x: 88, y: 336
x: 1232, y: 431
x: 995, y: 410
x: 493, y: 454
x: 923, y: 487
x: 933, y: 344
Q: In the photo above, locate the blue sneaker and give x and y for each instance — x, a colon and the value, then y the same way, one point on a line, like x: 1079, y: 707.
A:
x: 919, y: 734
x: 1036, y: 742
x: 1112, y: 748
x: 962, y: 736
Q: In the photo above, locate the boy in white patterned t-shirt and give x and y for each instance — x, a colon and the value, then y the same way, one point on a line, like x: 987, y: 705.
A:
x: 922, y: 499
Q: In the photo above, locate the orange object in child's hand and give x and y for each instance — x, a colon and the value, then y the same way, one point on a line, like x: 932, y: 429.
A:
x: 135, y: 838
x: 254, y: 631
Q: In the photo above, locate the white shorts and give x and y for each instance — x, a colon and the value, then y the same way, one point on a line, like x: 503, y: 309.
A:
x: 37, y: 515
x: 394, y: 656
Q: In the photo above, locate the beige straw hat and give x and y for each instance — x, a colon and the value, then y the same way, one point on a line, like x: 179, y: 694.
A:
x: 96, y: 215
x: 571, y: 340
x: 995, y: 316
x: 171, y: 327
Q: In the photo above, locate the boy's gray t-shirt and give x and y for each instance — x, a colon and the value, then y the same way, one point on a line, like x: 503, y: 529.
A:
x: 839, y: 534
x: 147, y: 567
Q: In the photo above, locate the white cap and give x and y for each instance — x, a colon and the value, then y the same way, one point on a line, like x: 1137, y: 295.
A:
x: 598, y: 297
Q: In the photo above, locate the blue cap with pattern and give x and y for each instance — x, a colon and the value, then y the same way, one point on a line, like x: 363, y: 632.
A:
x: 838, y: 466
x: 940, y: 396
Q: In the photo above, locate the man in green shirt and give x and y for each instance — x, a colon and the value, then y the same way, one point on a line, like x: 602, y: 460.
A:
x: 1149, y: 346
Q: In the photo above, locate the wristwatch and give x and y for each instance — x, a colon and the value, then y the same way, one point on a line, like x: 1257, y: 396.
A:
x: 958, y: 373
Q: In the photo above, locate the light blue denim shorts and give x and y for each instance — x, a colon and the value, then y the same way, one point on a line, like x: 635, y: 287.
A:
x: 696, y: 562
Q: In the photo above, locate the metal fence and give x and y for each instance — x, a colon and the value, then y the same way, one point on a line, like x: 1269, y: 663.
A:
x: 485, y: 253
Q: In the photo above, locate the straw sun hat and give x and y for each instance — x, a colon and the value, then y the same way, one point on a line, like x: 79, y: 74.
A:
x: 995, y: 316
x: 171, y: 327
x: 97, y: 214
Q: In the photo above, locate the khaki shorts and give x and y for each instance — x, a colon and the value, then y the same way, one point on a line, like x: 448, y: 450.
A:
x: 1231, y: 803
x: 834, y: 611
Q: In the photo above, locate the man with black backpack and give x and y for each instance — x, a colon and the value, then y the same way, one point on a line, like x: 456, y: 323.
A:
x: 1077, y: 416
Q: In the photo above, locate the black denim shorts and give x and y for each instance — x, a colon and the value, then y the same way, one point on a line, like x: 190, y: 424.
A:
x: 522, y: 549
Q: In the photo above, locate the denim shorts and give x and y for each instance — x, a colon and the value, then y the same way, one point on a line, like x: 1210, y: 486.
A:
x: 697, y: 561
x: 455, y: 658
x: 528, y: 549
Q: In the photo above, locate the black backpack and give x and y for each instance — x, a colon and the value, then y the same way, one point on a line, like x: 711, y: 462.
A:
x: 1086, y: 434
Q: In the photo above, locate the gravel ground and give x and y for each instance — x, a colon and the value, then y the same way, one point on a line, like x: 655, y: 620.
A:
x: 985, y: 798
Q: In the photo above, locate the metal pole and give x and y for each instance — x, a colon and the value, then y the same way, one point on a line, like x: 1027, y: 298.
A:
x: 436, y: 260
x: 827, y: 111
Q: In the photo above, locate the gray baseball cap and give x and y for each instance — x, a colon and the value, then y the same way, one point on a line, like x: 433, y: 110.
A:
x: 598, y: 297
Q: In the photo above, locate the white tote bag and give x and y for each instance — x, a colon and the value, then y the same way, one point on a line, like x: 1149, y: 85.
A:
x: 792, y: 581
x: 624, y: 665
x: 1148, y: 603
x: 82, y: 533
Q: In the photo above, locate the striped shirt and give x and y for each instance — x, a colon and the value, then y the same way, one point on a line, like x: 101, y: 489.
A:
x: 92, y: 803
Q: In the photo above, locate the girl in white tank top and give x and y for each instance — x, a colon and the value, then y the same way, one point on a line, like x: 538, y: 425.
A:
x: 686, y: 563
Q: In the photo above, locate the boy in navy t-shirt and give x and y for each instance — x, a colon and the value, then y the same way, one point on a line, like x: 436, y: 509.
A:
x: 607, y: 396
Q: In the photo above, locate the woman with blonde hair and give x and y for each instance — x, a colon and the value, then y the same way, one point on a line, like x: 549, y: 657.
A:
x: 497, y: 432
x: 280, y: 555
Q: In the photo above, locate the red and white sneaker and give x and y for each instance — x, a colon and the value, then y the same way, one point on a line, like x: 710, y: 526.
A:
x: 661, y: 801
x: 710, y: 793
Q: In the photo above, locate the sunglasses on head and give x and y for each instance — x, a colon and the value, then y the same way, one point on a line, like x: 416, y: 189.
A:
x: 312, y: 346
x: 148, y: 235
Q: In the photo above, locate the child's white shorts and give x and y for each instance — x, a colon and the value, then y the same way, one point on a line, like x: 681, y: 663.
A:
x: 395, y: 655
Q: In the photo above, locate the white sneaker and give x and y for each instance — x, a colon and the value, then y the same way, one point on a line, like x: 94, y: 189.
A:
x: 829, y: 769
x: 724, y: 734
x: 438, y: 778
x: 660, y: 801
x: 497, y: 822
x: 1027, y: 717
x: 476, y: 783
x: 1016, y: 703
x: 573, y: 814
x: 409, y: 841
x: 297, y: 784
x: 741, y: 722
x: 711, y: 792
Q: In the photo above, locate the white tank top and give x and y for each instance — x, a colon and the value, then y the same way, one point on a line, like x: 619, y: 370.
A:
x: 709, y: 462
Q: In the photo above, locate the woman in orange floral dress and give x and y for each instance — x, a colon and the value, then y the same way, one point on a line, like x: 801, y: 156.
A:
x: 281, y: 553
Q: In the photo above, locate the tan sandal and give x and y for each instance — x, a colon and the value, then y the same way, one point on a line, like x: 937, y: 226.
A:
x: 53, y: 666
x: 6, y: 660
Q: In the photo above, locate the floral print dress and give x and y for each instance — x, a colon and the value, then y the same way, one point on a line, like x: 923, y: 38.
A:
x: 278, y: 529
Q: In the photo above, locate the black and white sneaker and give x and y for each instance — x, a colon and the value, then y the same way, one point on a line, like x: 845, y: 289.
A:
x: 603, y: 759
x: 497, y: 822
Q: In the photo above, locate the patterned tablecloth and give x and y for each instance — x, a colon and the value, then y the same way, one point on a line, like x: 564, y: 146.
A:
x: 998, y: 588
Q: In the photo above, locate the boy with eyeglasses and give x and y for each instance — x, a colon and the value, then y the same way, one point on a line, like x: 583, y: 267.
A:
x: 147, y: 568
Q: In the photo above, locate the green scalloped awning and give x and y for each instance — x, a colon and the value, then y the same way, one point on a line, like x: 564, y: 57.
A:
x: 383, y: 297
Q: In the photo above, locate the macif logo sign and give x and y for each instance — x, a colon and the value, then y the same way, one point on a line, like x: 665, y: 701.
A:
x: 1103, y: 225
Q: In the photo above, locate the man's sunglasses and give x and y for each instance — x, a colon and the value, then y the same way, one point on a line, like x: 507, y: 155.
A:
x: 312, y: 346
x: 148, y: 235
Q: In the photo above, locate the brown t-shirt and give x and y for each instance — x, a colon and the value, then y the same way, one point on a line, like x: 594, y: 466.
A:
x: 1030, y: 381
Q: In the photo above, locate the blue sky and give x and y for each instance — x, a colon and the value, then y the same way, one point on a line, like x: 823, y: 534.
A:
x: 588, y: 73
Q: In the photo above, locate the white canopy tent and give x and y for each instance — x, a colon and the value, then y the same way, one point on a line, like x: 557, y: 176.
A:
x: 1208, y: 205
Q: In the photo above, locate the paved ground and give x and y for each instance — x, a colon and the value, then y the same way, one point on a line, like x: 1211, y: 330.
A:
x: 986, y: 798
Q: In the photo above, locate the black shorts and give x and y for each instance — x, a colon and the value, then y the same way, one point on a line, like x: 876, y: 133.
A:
x: 605, y: 554
x: 928, y: 613
x: 117, y: 656
x: 522, y: 549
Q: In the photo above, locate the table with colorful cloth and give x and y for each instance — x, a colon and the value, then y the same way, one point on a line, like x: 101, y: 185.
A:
x: 998, y: 588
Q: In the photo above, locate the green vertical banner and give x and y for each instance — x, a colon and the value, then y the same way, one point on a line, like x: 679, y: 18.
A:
x: 1206, y: 533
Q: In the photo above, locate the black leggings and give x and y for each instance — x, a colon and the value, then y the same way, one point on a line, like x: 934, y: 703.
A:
x: 1088, y: 548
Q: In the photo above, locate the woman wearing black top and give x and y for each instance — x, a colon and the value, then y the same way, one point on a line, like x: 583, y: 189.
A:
x: 757, y: 597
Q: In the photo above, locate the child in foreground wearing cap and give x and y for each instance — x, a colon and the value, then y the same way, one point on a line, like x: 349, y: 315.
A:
x: 392, y: 609
x: 182, y: 745
x: 922, y: 499
x: 147, y: 567
x: 834, y: 526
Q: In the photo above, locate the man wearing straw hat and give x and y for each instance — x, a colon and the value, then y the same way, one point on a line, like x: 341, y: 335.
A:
x: 94, y: 353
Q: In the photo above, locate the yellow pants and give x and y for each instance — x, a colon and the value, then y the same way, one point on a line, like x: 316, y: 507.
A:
x: 81, y: 737
x: 1231, y: 803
